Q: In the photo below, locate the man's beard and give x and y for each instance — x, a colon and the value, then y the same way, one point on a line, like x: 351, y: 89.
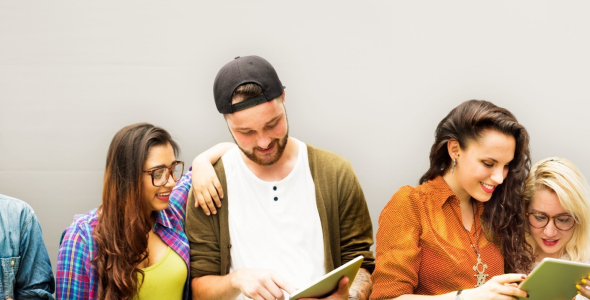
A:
x: 281, y: 144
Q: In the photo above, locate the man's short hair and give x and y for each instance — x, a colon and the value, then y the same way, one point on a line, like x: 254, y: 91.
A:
x: 247, y: 90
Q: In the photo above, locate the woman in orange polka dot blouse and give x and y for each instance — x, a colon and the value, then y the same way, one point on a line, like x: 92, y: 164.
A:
x: 455, y: 235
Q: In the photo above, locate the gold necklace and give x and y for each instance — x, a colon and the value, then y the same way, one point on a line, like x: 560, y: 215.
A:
x: 479, y: 267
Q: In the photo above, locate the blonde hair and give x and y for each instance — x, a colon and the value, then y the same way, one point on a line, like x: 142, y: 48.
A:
x: 562, y: 177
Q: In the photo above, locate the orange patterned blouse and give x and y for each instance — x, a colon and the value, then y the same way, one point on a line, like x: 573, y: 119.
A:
x: 423, y: 248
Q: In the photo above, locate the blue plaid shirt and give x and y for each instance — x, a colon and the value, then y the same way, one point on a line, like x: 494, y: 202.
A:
x: 77, y: 277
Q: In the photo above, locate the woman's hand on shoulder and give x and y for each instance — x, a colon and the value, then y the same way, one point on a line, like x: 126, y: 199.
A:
x: 498, y: 287
x: 206, y: 186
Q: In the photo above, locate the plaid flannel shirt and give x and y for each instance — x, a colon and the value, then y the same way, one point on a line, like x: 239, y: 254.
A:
x: 77, y: 277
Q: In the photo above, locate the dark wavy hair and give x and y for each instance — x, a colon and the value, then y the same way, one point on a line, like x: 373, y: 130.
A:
x: 503, y: 217
x: 124, y: 221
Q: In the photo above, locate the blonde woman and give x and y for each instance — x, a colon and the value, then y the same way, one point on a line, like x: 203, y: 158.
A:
x: 557, y: 202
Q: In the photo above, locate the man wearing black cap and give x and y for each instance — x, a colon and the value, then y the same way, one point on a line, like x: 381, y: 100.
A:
x: 292, y: 212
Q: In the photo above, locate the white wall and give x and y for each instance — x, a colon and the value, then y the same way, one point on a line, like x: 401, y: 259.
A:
x: 369, y: 80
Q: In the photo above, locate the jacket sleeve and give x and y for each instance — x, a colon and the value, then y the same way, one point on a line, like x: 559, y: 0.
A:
x: 398, y: 247
x: 203, y: 233
x: 73, y: 265
x: 34, y: 279
x: 356, y: 228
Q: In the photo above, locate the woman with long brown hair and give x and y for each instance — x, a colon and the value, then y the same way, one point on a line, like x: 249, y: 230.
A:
x: 454, y: 235
x: 132, y: 246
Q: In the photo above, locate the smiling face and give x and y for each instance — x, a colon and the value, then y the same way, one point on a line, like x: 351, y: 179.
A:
x: 261, y: 131
x: 481, y: 166
x: 156, y: 198
x: 549, y: 239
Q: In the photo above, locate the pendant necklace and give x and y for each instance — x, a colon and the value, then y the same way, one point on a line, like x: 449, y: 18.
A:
x: 479, y: 267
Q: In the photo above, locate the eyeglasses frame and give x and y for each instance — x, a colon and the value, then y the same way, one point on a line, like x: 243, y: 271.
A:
x: 549, y: 220
x: 168, y: 174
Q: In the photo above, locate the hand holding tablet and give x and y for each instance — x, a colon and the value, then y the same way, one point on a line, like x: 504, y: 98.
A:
x: 583, y: 287
x: 330, y: 282
x: 555, y: 279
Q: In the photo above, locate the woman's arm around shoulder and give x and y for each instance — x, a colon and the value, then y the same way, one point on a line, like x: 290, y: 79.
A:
x: 206, y: 186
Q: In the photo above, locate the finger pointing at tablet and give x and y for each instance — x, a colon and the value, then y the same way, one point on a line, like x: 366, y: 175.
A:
x: 261, y: 284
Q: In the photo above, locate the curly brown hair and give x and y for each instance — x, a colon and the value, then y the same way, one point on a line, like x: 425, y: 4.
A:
x: 503, y: 217
x: 124, y: 221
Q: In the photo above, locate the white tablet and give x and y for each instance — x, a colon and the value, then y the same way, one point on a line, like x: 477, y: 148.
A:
x: 329, y: 282
x: 554, y: 279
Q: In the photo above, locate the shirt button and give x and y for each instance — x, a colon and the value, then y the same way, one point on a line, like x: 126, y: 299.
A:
x: 276, y: 198
x: 12, y: 263
x: 274, y: 188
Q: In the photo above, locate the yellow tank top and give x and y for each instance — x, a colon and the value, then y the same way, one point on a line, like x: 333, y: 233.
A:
x: 163, y: 280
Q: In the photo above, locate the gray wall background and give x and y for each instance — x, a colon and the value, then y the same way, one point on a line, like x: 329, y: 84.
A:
x: 369, y: 80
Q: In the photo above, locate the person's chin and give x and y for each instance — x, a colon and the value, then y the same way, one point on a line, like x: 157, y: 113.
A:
x: 550, y: 251
x: 482, y: 197
x: 268, y: 159
x: 159, y: 206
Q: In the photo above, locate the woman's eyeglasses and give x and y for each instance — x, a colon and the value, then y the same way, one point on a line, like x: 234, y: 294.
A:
x: 540, y: 220
x: 160, y: 175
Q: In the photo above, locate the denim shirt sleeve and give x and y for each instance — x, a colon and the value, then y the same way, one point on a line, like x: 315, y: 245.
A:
x: 26, y: 269
x: 34, y: 279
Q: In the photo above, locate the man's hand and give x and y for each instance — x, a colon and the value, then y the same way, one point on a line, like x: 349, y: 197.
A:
x: 341, y: 293
x: 261, y: 284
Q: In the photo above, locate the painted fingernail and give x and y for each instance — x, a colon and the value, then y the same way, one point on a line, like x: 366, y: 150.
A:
x: 579, y: 292
x: 584, y: 281
x: 577, y: 287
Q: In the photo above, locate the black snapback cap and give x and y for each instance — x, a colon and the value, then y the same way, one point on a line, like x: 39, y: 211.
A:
x: 242, y: 70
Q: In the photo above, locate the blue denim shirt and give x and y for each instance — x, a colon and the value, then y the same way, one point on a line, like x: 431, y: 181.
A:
x: 25, y: 268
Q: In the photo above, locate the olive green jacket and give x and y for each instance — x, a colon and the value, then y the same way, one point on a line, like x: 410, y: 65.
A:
x: 346, y: 224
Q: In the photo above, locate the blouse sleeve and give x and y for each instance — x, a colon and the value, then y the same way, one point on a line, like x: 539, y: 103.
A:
x: 398, y: 252
x: 73, y: 265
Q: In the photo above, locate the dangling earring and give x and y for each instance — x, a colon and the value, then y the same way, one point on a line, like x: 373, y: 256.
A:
x: 454, y: 164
